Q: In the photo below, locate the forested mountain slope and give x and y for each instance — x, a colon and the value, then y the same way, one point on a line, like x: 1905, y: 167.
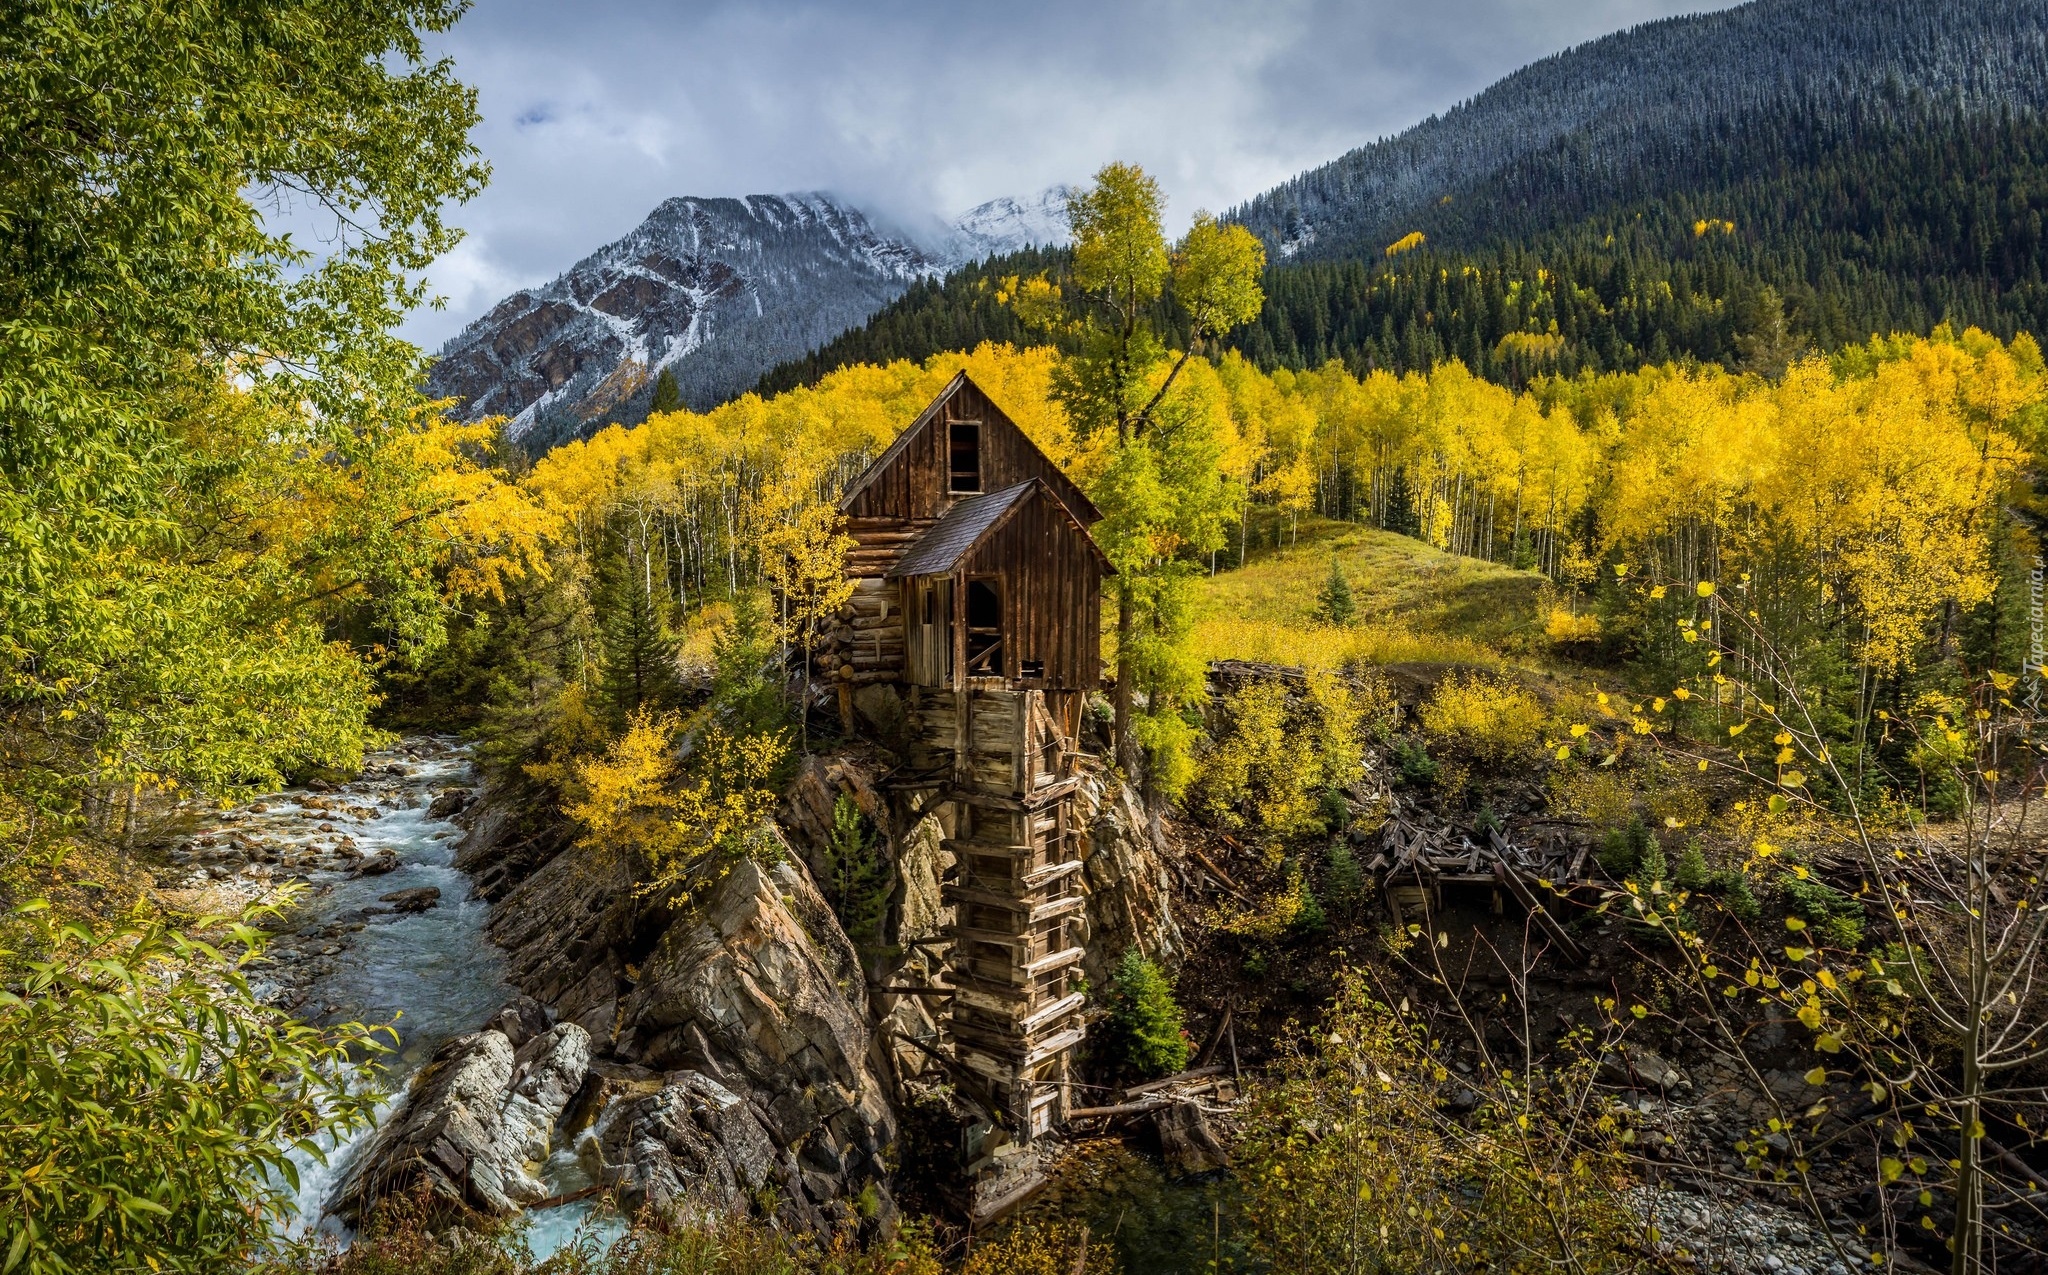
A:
x: 1728, y: 187
x: 1667, y: 106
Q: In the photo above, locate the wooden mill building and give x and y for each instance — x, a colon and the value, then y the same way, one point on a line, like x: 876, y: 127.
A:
x: 978, y: 594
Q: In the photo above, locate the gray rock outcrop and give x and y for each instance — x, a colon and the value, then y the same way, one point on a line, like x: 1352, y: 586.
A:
x: 743, y: 1007
x: 476, y: 1123
x: 1130, y: 894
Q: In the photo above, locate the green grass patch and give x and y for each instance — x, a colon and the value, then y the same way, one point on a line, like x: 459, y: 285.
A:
x: 1414, y: 603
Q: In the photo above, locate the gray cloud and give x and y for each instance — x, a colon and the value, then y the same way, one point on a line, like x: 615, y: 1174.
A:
x: 916, y: 109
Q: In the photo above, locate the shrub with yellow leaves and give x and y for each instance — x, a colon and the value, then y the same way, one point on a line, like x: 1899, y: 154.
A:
x: 1350, y: 1161
x: 1276, y: 754
x: 1487, y: 716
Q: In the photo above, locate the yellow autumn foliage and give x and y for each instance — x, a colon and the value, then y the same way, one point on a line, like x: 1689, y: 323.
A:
x: 1489, y: 717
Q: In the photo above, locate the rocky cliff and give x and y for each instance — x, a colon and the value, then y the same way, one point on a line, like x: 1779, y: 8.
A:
x: 714, y: 1051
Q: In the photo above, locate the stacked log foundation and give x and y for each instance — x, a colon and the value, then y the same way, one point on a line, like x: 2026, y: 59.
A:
x: 1016, y: 894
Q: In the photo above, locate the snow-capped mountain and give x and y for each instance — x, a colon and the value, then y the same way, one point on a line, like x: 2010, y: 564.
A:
x: 714, y: 290
x: 1007, y: 225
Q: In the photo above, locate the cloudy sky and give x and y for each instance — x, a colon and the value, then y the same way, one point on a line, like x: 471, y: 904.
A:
x: 595, y: 111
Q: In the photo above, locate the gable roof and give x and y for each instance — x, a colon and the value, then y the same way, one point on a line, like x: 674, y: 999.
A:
x: 972, y: 521
x: 902, y: 441
x: 1075, y: 501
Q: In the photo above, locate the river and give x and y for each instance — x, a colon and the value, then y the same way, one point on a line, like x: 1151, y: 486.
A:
x: 349, y: 953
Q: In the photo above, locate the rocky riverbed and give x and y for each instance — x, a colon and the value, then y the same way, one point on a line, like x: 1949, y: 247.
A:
x: 381, y: 927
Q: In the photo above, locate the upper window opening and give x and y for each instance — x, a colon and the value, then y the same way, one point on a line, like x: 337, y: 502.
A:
x: 964, y: 456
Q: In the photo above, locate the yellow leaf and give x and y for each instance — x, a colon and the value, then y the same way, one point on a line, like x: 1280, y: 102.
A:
x: 1810, y: 1015
x: 1818, y: 1076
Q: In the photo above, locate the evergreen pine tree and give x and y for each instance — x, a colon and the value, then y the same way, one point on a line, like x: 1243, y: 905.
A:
x: 1401, y: 516
x: 1334, y: 604
x: 667, y: 395
x: 1145, y: 1021
x: 639, y: 664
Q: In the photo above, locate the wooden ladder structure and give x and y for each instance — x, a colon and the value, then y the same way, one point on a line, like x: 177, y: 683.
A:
x: 1016, y: 891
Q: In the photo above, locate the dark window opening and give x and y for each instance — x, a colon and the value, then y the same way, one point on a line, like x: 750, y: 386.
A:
x: 1031, y: 668
x: 984, y: 629
x: 964, y: 456
x: 930, y: 604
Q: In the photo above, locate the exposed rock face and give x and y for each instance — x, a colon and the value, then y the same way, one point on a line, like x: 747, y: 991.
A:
x: 763, y: 991
x: 734, y: 1028
x: 476, y: 1123
x: 1130, y: 895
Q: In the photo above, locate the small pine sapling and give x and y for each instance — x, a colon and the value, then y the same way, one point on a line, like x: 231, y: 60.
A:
x: 1304, y: 911
x: 1334, y: 605
x: 1690, y: 873
x: 1617, y: 857
x: 1343, y: 881
x: 1335, y: 811
x: 1144, y: 1019
x: 1651, y: 864
x: 857, y: 878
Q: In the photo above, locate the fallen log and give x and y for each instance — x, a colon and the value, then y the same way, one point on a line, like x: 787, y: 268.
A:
x: 1222, y: 879
x: 1138, y: 1108
x: 1196, y: 1073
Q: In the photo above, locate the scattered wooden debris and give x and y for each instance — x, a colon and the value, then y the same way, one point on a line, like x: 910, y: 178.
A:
x: 1416, y: 862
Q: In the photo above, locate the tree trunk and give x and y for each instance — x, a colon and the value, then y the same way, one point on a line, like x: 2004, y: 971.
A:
x: 1125, y: 753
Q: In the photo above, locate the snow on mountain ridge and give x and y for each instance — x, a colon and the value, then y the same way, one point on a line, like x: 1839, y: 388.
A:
x: 1009, y: 224
x: 715, y: 290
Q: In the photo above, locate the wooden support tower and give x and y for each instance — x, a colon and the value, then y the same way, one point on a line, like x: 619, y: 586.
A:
x: 1017, y: 898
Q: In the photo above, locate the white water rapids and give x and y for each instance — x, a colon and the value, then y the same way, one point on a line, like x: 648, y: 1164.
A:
x: 432, y: 974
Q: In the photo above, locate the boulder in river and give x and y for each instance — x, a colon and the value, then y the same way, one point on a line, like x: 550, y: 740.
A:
x: 378, y: 864
x: 692, y: 1147
x: 419, y: 900
x: 1634, y: 1067
x: 449, y: 804
x: 477, y: 1122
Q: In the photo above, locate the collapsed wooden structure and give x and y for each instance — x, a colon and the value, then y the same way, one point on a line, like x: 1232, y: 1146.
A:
x: 977, y: 597
x: 1415, y: 863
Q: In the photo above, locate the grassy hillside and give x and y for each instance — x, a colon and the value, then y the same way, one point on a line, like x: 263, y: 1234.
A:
x: 1415, y: 603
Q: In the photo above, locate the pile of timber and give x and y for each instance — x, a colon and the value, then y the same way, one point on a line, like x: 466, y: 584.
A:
x: 1415, y: 862
x: 1179, y: 1108
x: 1452, y: 857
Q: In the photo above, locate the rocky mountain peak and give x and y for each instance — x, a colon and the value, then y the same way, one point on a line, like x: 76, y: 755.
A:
x: 712, y: 290
x: 1010, y: 224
